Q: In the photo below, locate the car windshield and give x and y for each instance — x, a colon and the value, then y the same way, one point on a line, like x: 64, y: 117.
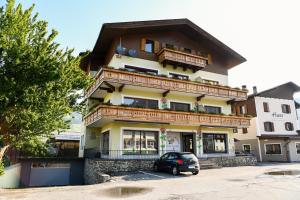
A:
x: 188, y: 156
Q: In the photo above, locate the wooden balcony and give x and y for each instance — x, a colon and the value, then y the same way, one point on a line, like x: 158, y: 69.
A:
x: 183, y: 59
x: 116, y: 78
x: 119, y: 113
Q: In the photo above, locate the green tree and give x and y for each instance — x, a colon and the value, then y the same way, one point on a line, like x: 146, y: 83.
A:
x: 39, y: 82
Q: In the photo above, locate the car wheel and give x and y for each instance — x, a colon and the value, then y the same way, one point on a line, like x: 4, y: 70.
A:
x: 175, y: 171
x: 155, y: 168
x: 195, y: 173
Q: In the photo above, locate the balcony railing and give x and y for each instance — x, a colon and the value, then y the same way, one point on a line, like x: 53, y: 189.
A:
x: 163, y: 116
x: 182, y: 58
x: 150, y: 81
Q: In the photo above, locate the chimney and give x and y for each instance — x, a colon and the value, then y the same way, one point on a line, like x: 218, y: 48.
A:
x: 244, y: 87
x: 254, y: 90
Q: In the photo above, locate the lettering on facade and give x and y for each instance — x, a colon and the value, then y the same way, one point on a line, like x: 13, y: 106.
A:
x: 275, y: 115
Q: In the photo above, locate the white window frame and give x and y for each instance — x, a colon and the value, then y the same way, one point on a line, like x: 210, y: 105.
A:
x: 247, y: 145
x: 271, y: 144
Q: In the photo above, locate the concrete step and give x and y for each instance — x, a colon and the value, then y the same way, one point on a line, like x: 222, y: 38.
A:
x: 209, y: 166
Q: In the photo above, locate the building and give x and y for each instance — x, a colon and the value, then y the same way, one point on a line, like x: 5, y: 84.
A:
x: 273, y: 134
x: 70, y: 142
x: 160, y: 86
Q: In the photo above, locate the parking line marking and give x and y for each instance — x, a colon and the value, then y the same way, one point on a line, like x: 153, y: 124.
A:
x: 151, y: 174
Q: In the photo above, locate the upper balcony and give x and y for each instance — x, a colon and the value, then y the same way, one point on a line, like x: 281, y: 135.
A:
x: 108, y: 79
x: 108, y: 113
x: 173, y: 57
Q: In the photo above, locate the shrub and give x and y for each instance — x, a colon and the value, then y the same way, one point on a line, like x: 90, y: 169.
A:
x: 1, y: 168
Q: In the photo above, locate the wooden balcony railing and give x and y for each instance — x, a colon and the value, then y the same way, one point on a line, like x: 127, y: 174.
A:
x: 129, y: 78
x: 182, y: 58
x: 163, y: 116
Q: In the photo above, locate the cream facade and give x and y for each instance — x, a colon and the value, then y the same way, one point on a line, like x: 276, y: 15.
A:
x: 160, y: 92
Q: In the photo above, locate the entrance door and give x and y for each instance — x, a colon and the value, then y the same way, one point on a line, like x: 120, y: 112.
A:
x: 187, y: 142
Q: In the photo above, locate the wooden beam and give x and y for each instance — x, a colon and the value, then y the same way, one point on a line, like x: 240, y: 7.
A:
x: 230, y: 101
x: 164, y: 64
x: 165, y: 93
x: 121, y: 87
x: 200, y: 97
x: 109, y: 90
x: 109, y: 85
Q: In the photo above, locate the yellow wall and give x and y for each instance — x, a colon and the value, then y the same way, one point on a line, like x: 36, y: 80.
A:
x: 116, y: 98
x: 116, y: 142
x: 125, y: 60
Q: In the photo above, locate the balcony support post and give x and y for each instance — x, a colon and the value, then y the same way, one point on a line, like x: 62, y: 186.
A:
x: 231, y: 101
x: 121, y: 87
x: 111, y: 87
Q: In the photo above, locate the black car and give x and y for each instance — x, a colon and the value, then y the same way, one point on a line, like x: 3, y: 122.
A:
x: 176, y: 162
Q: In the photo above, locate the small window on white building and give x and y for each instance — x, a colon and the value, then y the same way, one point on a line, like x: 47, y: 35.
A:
x: 269, y: 126
x: 286, y: 108
x: 289, y: 126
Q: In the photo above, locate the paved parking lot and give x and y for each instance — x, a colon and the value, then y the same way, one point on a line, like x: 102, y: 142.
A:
x: 225, y: 183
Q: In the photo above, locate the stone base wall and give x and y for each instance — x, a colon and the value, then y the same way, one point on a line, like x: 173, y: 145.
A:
x: 235, y: 161
x: 93, y: 168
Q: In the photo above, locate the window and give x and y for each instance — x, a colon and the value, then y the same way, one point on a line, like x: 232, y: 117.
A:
x: 179, y: 76
x: 180, y: 106
x: 214, y: 143
x: 286, y: 108
x: 149, y: 46
x: 139, y: 69
x: 213, y: 109
x: 266, y: 107
x: 140, y: 142
x: 289, y: 126
x: 245, y: 130
x: 105, y: 142
x: 298, y: 148
x: 247, y: 148
x: 269, y: 126
x: 210, y: 82
x: 186, y: 50
x: 170, y: 46
x: 141, y: 103
x: 242, y: 109
x: 273, y: 148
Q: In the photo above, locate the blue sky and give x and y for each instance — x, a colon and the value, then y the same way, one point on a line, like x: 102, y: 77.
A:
x: 265, y: 32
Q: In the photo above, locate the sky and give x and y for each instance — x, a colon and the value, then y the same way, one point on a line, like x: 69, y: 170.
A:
x: 265, y: 32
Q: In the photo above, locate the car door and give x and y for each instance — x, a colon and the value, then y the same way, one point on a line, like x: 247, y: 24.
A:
x: 163, y: 162
x: 171, y: 161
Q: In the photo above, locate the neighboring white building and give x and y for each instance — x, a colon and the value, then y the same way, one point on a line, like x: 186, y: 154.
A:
x: 273, y: 134
x: 70, y: 142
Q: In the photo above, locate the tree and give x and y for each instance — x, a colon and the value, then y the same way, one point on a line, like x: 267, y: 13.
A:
x: 39, y: 83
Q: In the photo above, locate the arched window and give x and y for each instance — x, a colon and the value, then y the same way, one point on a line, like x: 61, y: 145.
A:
x: 269, y: 126
x: 289, y: 126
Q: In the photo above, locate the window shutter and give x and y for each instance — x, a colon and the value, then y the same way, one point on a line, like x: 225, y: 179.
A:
x: 289, y: 108
x: 143, y: 43
x: 156, y: 46
x: 209, y: 61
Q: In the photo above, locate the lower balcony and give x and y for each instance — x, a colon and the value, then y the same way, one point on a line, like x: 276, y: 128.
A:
x: 108, y: 113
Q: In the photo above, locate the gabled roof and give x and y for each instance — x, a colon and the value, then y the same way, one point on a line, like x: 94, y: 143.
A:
x: 109, y: 31
x: 280, y: 91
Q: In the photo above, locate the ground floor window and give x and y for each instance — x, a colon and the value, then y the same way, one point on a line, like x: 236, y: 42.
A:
x: 273, y: 148
x: 105, y: 142
x: 140, y: 142
x: 298, y: 148
x: 246, y: 148
x: 214, y: 143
